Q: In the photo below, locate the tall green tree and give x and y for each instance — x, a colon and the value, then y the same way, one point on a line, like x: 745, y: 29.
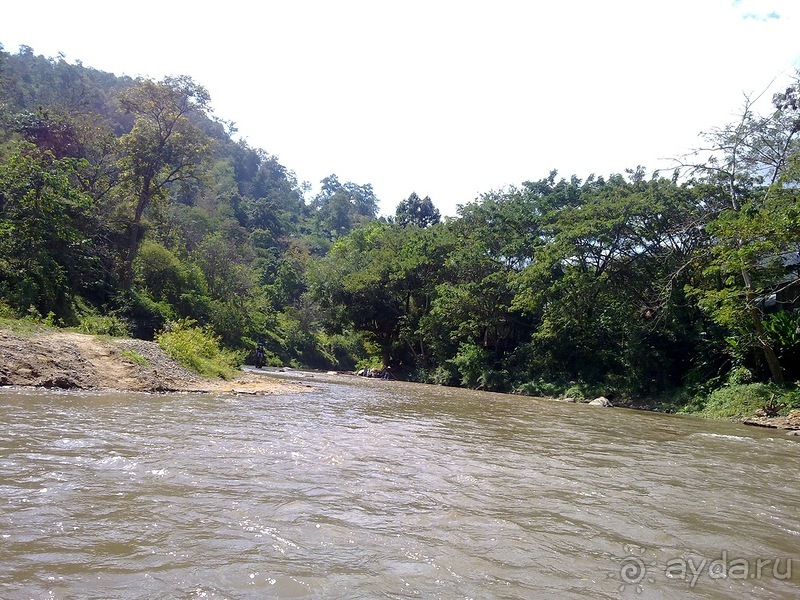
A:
x: 753, y: 220
x: 356, y: 285
x: 417, y: 211
x: 45, y: 232
x: 471, y: 329
x: 606, y: 281
x: 339, y: 208
x: 164, y: 147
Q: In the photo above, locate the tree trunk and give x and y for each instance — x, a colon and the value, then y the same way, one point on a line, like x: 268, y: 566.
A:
x: 133, y: 241
x: 773, y: 362
x: 130, y: 256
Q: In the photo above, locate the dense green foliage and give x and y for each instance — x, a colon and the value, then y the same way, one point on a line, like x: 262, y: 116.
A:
x: 125, y: 205
x: 199, y: 349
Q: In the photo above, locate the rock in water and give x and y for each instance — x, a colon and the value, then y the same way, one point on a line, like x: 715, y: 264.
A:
x: 601, y: 401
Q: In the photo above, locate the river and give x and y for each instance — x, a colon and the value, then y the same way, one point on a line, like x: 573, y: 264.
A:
x: 376, y: 489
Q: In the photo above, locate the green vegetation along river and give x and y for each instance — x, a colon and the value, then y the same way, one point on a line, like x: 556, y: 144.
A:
x: 376, y: 489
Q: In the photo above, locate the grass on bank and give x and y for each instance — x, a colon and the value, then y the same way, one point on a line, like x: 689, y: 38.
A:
x: 194, y: 347
x: 31, y: 324
x: 198, y: 349
x: 734, y: 400
x: 739, y: 401
x: 134, y: 357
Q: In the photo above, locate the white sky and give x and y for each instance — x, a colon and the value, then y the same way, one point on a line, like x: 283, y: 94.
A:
x: 448, y: 98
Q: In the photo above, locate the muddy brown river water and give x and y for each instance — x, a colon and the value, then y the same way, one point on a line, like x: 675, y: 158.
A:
x: 376, y: 489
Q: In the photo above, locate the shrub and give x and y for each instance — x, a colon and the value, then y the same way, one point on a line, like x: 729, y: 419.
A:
x: 103, y: 325
x: 134, y: 357
x: 144, y: 314
x: 740, y: 376
x: 471, y: 363
x: 345, y: 350
x: 738, y: 401
x: 446, y: 374
x: 6, y: 312
x: 791, y: 397
x: 575, y: 392
x: 539, y: 388
x: 198, y: 349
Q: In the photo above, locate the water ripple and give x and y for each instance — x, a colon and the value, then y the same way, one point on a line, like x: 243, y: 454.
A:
x: 369, y: 489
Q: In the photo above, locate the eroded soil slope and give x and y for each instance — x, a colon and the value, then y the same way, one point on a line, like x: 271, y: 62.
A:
x: 77, y: 361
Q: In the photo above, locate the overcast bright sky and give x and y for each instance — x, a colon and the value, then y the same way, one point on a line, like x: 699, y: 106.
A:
x: 446, y: 98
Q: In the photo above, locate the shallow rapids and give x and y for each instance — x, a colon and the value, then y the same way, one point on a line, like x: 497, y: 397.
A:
x: 383, y: 489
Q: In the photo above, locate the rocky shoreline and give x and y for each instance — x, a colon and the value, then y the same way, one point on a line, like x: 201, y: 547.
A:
x: 75, y: 361
x: 790, y: 422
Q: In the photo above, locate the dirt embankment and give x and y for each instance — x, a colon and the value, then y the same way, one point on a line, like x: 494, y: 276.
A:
x: 67, y: 360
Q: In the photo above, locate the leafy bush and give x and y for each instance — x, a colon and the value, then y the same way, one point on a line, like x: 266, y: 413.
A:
x: 134, y: 357
x: 681, y: 400
x: 34, y: 316
x: 144, y: 314
x: 738, y: 401
x: 160, y: 272
x: 575, y: 392
x: 198, y: 349
x: 346, y: 350
x: 539, y: 388
x: 784, y: 328
x: 791, y: 397
x: 103, y: 325
x: 471, y: 362
x: 740, y: 376
x: 495, y: 380
x: 6, y: 312
x: 446, y: 374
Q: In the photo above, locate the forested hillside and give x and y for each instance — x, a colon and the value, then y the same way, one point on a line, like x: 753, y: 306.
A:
x: 126, y: 206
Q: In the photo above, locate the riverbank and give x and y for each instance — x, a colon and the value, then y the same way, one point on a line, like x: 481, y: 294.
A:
x: 758, y: 418
x: 55, y: 358
x: 50, y: 358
